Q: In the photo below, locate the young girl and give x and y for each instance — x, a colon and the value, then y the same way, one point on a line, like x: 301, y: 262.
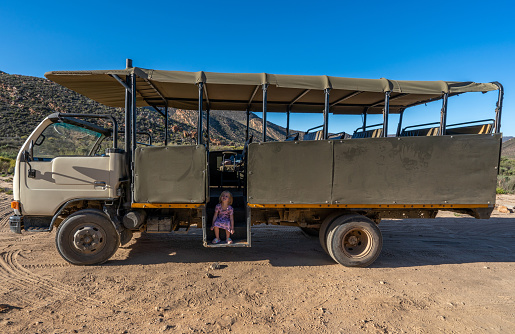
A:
x: 223, y: 218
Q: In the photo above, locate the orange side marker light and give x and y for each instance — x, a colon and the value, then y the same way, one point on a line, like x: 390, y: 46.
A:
x: 15, y: 205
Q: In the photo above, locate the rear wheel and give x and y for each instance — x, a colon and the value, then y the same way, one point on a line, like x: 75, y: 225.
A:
x: 324, y: 228
x: 355, y: 241
x: 87, y: 237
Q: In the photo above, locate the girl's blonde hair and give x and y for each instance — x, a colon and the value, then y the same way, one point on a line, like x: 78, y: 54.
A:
x: 228, y: 193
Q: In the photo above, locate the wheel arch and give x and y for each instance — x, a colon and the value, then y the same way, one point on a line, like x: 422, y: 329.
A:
x: 67, y: 204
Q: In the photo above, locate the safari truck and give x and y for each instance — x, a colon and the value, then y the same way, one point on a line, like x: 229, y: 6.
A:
x: 73, y: 175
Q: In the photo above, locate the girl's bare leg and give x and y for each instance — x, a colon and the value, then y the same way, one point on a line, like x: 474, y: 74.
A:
x: 227, y: 234
x: 217, y: 233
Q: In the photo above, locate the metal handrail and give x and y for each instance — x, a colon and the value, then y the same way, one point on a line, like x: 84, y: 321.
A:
x: 415, y: 126
x: 316, y: 127
x: 368, y: 126
x: 481, y: 121
x: 448, y: 126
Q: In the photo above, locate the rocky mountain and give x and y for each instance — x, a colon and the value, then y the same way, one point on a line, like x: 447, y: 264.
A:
x: 25, y: 101
x: 508, y: 148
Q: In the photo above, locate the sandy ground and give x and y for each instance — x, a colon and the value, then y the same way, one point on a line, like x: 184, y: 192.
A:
x: 452, y: 274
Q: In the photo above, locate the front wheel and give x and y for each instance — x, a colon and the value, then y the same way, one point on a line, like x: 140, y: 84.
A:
x: 87, y: 237
x: 355, y: 243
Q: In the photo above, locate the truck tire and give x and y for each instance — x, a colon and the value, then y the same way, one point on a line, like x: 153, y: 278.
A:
x: 87, y: 237
x: 324, y: 228
x: 354, y: 241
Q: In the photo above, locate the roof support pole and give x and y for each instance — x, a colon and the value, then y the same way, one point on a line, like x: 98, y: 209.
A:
x: 248, y: 125
x: 265, y: 97
x: 166, y: 122
x: 498, y: 109
x: 386, y: 113
x: 399, y: 126
x: 326, y: 113
x: 133, y: 117
x: 133, y: 130
x: 288, y: 121
x: 443, y: 115
x: 365, y: 119
x: 128, y: 117
x: 208, y: 112
x: 199, y: 122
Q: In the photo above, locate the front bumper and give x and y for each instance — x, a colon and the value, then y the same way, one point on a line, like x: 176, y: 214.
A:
x: 16, y: 223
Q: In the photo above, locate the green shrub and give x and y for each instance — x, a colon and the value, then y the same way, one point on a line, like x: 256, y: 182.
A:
x: 500, y: 191
x: 7, y: 165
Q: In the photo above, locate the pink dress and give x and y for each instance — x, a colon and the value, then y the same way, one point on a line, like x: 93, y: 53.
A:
x: 223, y: 220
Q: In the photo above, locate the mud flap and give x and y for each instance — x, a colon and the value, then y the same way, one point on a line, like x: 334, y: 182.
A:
x: 125, y: 236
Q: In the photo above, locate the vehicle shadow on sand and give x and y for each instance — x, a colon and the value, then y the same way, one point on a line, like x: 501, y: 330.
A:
x: 421, y: 242
x: 279, y: 246
x: 406, y: 243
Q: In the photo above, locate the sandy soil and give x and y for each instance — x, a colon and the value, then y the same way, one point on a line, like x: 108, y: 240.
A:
x: 452, y: 274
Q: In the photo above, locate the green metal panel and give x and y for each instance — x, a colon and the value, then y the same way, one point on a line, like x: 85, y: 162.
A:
x: 172, y: 174
x: 416, y: 170
x: 290, y: 172
x: 406, y: 170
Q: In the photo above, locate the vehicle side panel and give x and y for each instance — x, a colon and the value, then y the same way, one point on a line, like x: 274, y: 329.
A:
x: 412, y: 170
x: 172, y: 174
x: 416, y: 170
x: 290, y: 172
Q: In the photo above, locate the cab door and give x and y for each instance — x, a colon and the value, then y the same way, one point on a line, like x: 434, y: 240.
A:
x: 63, y: 167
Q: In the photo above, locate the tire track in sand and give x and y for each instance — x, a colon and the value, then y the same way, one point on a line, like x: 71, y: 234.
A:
x: 32, y: 289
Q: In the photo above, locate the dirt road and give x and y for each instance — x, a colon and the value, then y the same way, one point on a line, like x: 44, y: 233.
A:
x: 449, y: 275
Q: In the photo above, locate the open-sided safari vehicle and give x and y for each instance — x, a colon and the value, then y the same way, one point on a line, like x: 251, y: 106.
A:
x: 72, y: 175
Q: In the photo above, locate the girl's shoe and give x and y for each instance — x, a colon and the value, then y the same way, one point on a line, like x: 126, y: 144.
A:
x: 216, y: 241
x: 229, y: 241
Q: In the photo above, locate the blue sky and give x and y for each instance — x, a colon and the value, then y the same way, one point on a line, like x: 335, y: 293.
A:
x: 402, y: 40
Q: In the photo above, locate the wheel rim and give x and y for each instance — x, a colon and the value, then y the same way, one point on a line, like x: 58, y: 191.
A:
x: 356, y: 243
x: 89, y: 239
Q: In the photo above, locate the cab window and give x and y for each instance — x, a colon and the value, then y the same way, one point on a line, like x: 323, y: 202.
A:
x: 62, y: 139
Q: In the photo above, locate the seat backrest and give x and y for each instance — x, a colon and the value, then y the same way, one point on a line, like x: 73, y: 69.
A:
x: 486, y: 129
x: 433, y: 132
x: 318, y: 135
x: 374, y: 133
x: 377, y: 133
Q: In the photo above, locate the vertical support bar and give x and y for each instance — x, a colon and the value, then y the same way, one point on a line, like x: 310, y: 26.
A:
x: 399, y: 126
x: 326, y: 113
x: 134, y: 117
x: 208, y: 117
x: 128, y: 117
x: 288, y: 121
x: 443, y: 115
x: 498, y: 109
x: 386, y: 113
x: 249, y: 225
x: 248, y: 125
x: 166, y: 123
x: 199, y: 123
x: 365, y: 119
x: 133, y: 132
x: 265, y: 97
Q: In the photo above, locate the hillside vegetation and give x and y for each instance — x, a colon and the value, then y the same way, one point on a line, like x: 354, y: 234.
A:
x: 508, y: 148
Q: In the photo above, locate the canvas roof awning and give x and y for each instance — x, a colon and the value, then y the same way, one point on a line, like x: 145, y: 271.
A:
x: 237, y: 91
